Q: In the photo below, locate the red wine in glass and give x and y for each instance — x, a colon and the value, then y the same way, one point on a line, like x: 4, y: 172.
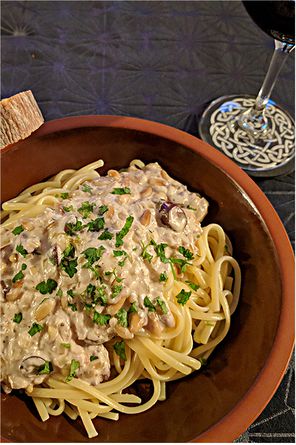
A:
x: 276, y: 18
x: 255, y: 132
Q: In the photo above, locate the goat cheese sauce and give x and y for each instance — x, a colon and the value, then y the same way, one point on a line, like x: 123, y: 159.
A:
x: 90, y: 270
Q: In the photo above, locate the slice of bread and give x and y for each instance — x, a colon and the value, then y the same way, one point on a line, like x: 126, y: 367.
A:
x: 20, y: 116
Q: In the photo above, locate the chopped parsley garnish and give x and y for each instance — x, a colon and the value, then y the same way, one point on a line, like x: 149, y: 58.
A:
x: 70, y: 293
x: 133, y: 308
x: 116, y: 290
x: 121, y: 191
x: 93, y: 254
x: 66, y: 345
x: 103, y: 209
x: 96, y: 225
x: 86, y: 208
x: 123, y: 232
x: 86, y: 188
x: 160, y: 251
x: 163, y: 277
x: 75, y: 365
x: 19, y: 276
x: 162, y: 305
x: 68, y: 209
x: 91, y: 290
x: 65, y: 195
x: 68, y: 262
x: 113, y: 272
x: 18, y: 318
x: 101, y: 319
x: 35, y: 328
x: 105, y: 235
x: 17, y: 230
x: 122, y: 317
x: 45, y: 369
x: 190, y: 208
x: 186, y: 253
x: 183, y: 297
x: 119, y: 252
x: 149, y: 305
x: 71, y: 228
x: 192, y: 285
x: 69, y: 251
x: 93, y: 357
x: 180, y: 262
x: 20, y: 249
x: 73, y: 307
x: 60, y: 293
x: 146, y: 255
x: 47, y: 287
x: 101, y: 295
x: 119, y: 348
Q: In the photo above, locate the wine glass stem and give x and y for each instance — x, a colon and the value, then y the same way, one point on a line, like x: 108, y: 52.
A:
x: 253, y: 121
x: 280, y: 55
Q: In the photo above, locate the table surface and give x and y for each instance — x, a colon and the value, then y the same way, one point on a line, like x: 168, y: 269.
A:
x: 158, y: 60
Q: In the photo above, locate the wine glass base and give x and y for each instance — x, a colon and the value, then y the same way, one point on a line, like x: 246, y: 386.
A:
x: 271, y: 154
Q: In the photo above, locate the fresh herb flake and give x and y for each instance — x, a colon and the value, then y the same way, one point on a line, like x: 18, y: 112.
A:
x: 68, y: 209
x: 65, y: 195
x: 66, y: 345
x: 162, y: 305
x: 163, y: 277
x: 101, y: 319
x: 183, y: 297
x: 149, y: 305
x: 47, y: 287
x: 17, y: 230
x: 122, y: 317
x: 92, y: 254
x: 86, y: 188
x: 18, y: 318
x: 20, y: 249
x: 45, y: 369
x: 192, y: 285
x: 86, y: 209
x: 186, y: 253
x: 116, y: 290
x: 71, y: 228
x: 121, y: 191
x: 96, y: 225
x: 133, y: 309
x: 19, y: 276
x: 103, y: 209
x: 105, y: 235
x: 123, y: 232
x: 119, y: 348
x: 75, y: 365
x: 93, y: 357
x: 35, y: 328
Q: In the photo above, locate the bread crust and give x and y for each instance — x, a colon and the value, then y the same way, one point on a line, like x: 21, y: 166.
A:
x: 20, y: 116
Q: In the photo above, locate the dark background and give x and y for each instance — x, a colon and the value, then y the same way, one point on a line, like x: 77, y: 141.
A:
x: 158, y: 60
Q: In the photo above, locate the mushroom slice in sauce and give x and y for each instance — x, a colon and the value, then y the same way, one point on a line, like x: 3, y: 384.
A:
x: 30, y: 365
x: 173, y: 216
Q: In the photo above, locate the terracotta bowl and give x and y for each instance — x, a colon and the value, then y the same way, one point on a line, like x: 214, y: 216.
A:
x: 220, y: 402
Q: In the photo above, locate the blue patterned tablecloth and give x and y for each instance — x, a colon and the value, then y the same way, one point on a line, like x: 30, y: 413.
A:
x: 158, y: 60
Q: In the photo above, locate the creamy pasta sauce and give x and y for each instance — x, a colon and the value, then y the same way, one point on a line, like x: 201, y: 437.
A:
x: 91, y: 270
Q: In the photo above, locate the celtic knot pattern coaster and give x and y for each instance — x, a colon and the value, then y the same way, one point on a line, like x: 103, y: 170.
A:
x: 266, y: 153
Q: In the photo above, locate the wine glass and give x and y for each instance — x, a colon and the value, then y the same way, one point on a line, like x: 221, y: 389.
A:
x: 257, y: 133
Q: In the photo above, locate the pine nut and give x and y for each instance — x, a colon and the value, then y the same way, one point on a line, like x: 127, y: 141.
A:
x: 44, y: 309
x: 145, y: 218
x: 147, y: 192
x: 114, y: 174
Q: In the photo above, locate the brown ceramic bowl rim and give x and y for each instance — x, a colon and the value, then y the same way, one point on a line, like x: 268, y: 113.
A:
x: 233, y: 424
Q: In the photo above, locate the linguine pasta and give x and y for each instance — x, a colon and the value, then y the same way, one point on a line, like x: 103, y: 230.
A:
x: 107, y: 280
